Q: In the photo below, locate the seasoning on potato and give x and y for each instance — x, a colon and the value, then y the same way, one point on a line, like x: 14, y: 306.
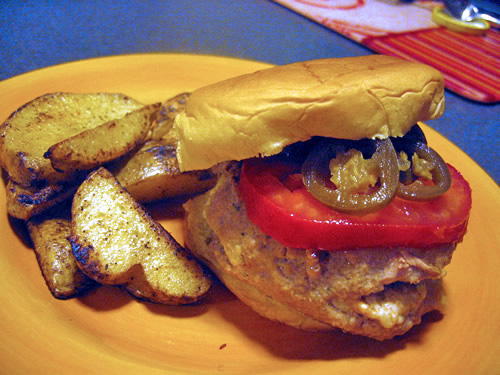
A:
x: 116, y: 241
x: 152, y: 173
x: 26, y: 202
x: 166, y: 115
x: 49, y: 146
x: 106, y: 142
x: 31, y: 130
x: 50, y: 235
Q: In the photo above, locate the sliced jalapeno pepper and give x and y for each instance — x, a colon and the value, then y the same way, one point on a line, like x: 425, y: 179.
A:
x: 315, y: 175
x: 440, y: 177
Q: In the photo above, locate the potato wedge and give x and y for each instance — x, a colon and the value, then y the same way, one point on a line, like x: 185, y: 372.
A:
x: 24, y: 203
x: 27, y: 134
x: 116, y: 241
x: 50, y: 237
x: 165, y: 119
x: 103, y: 143
x: 152, y: 173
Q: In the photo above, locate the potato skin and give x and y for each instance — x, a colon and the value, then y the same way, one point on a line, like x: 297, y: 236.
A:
x: 116, y: 241
x: 106, y: 142
x: 27, y: 202
x: 51, y: 118
x: 50, y: 237
x: 166, y: 115
x: 47, y: 148
x: 152, y: 173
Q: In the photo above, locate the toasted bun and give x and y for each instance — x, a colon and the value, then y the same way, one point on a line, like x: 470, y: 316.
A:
x: 259, y: 114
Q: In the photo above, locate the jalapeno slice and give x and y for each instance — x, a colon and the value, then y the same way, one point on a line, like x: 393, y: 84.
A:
x: 441, y: 180
x: 315, y: 175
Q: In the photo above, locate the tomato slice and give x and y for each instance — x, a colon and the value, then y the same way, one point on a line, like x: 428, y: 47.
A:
x: 279, y: 204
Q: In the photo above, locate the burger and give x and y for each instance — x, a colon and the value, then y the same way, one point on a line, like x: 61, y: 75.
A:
x: 330, y: 209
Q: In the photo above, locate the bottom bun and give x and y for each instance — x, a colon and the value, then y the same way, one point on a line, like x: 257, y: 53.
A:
x: 265, y: 305
x: 379, y: 293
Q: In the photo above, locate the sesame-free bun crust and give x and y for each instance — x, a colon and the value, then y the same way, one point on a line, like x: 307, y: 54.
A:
x: 258, y: 114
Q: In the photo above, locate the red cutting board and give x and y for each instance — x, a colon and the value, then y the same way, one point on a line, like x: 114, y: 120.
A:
x: 470, y: 64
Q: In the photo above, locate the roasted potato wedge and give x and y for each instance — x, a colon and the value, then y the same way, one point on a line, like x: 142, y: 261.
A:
x: 116, y: 241
x: 24, y: 203
x: 49, y: 119
x: 165, y: 119
x: 103, y: 143
x: 152, y: 173
x: 50, y: 237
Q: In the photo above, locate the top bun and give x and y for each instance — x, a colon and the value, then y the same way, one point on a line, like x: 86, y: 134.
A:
x: 258, y: 114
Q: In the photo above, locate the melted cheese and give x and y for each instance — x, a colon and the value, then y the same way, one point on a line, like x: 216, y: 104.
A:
x: 391, y: 306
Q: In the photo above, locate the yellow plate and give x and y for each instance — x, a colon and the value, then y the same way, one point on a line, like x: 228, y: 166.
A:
x: 109, y: 332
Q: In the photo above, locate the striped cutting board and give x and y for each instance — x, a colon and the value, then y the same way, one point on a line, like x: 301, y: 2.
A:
x: 470, y: 64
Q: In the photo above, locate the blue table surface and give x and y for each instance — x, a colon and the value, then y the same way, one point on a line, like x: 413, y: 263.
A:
x: 36, y: 34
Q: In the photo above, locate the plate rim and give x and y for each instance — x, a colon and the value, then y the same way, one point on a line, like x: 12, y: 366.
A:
x: 487, y: 184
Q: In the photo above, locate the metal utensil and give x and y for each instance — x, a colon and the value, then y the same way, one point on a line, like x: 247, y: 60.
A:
x: 443, y: 17
x: 466, y: 11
